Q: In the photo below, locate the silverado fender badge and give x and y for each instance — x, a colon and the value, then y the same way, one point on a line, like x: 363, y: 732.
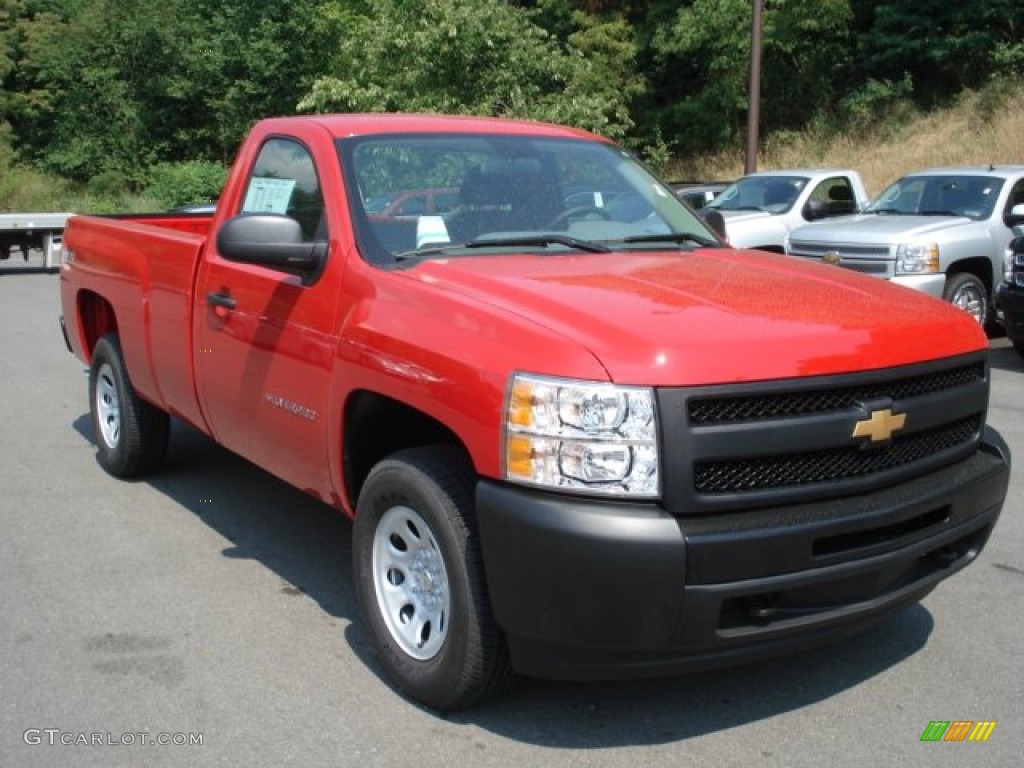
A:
x: 832, y: 257
x: 880, y: 425
x: 291, y: 407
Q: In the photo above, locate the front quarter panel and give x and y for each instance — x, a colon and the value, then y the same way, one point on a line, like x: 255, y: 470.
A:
x: 445, y: 354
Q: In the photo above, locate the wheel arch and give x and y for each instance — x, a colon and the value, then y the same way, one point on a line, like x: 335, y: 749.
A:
x: 979, y: 266
x: 376, y: 426
x: 96, y: 318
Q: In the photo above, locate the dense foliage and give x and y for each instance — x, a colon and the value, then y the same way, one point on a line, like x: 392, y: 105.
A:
x: 109, y: 92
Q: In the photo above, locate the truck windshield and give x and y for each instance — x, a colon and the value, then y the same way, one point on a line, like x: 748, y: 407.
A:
x: 773, y: 194
x: 427, y: 195
x: 938, y: 195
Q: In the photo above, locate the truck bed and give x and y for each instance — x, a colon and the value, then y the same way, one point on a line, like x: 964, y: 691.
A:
x: 143, y: 266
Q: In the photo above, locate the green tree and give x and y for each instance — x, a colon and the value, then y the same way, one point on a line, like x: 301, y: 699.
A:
x: 944, y: 47
x: 478, y: 57
x: 699, y: 53
x: 239, y: 61
x: 83, y: 81
x: 115, y: 86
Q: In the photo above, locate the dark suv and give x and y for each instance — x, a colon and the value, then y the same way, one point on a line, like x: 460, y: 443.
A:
x: 1010, y: 295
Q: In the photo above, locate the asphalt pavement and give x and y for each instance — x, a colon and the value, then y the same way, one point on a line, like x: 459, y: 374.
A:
x: 211, y: 608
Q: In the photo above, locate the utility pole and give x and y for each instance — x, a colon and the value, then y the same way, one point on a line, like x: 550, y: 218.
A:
x: 754, y: 89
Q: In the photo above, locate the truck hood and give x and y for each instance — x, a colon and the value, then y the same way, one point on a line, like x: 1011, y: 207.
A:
x: 712, y: 315
x: 876, y: 228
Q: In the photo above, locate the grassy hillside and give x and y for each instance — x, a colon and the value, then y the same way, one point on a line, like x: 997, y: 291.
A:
x: 981, y: 128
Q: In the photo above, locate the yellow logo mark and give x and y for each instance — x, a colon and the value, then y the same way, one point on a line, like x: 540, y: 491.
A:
x: 982, y: 730
x: 831, y: 257
x: 880, y: 426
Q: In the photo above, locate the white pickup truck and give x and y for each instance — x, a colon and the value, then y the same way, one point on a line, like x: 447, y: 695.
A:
x: 942, y: 231
x: 762, y: 208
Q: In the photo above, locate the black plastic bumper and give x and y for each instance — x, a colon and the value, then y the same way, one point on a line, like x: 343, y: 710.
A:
x: 1011, y: 302
x: 587, y: 589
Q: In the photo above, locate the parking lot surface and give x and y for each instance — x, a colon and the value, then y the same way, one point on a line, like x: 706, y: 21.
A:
x: 212, y: 603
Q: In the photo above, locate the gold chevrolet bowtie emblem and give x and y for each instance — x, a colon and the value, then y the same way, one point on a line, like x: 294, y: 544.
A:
x: 880, y: 426
x: 832, y: 257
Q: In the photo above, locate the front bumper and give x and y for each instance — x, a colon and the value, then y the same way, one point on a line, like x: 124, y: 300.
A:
x: 588, y: 589
x: 933, y: 285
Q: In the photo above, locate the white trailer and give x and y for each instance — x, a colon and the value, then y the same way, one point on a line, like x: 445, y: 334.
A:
x: 28, y: 231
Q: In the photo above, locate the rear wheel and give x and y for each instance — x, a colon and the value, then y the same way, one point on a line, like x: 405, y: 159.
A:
x: 420, y: 580
x: 967, y: 292
x: 131, y: 434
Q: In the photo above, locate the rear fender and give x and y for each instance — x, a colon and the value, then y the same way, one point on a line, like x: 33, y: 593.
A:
x: 96, y: 319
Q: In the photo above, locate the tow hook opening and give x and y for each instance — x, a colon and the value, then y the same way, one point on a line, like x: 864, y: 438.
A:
x: 762, y: 607
x: 945, y: 556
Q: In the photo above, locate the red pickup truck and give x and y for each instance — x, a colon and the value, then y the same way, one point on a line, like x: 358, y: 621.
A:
x: 577, y: 440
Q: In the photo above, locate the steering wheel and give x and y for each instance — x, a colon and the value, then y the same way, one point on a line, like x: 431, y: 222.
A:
x: 579, y: 212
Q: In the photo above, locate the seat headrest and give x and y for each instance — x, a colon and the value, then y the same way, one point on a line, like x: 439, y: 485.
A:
x: 840, y: 194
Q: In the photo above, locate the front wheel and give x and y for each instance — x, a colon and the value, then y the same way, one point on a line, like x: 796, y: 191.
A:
x: 967, y: 292
x: 131, y: 434
x: 419, y: 579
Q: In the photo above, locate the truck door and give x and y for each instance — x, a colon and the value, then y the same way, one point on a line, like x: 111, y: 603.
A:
x: 263, y: 340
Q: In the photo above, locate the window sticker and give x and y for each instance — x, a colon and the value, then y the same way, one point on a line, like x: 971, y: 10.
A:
x: 267, y: 195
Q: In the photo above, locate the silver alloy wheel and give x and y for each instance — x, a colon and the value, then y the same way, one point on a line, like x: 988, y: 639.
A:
x: 108, y: 405
x: 411, y: 583
x: 970, y: 300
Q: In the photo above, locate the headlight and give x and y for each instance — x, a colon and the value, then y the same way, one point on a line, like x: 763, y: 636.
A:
x: 917, y: 259
x: 588, y: 437
x: 1013, y: 263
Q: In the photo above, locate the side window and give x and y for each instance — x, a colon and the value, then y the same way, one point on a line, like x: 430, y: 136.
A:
x: 284, y: 181
x: 1016, y: 196
x: 836, y: 196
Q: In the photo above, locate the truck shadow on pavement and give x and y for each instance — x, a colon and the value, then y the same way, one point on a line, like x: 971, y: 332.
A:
x: 308, y: 544
x: 305, y: 542
x: 1003, y: 356
x: 671, y: 709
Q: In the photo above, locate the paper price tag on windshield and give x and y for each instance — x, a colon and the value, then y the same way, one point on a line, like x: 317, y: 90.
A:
x: 268, y: 195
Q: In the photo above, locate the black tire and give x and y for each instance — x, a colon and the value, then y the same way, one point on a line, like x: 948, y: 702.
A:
x: 968, y: 292
x: 420, y: 583
x: 131, y: 434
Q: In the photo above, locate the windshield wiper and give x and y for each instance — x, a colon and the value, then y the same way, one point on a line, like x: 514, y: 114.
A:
x: 940, y: 213
x: 885, y: 211
x: 671, y: 237
x: 424, y: 253
x: 542, y: 240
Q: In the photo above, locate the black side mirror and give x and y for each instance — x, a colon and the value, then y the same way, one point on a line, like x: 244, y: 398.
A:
x: 274, y: 241
x: 815, y: 209
x: 1015, y: 217
x: 713, y: 219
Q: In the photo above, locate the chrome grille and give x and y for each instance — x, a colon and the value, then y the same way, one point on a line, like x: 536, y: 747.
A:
x: 817, y: 250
